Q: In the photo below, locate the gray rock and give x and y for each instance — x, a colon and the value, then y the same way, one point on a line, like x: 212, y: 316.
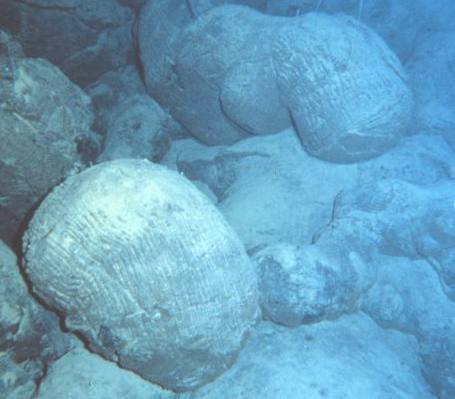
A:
x: 185, y: 72
x: 82, y: 374
x: 211, y: 71
x: 44, y: 130
x: 85, y: 39
x: 386, y: 208
x: 30, y: 336
x: 310, y: 283
x: 110, y: 89
x: 250, y: 98
x: 132, y: 123
x: 136, y: 128
x: 350, y: 358
x: 146, y: 269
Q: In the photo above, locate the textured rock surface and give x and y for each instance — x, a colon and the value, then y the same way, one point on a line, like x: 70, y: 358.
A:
x: 346, y: 91
x: 44, y: 128
x: 110, y: 89
x: 385, y: 208
x: 267, y: 187
x: 132, y: 123
x: 350, y: 358
x: 81, y: 374
x: 84, y: 38
x: 136, y: 128
x: 310, y: 283
x: 402, y: 24
x: 312, y: 69
x: 146, y: 269
x: 408, y: 231
x: 30, y: 336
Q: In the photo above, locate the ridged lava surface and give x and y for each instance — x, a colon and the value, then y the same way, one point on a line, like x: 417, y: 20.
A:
x: 146, y: 269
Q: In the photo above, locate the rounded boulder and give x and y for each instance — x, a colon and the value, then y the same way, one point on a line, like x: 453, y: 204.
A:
x: 146, y: 270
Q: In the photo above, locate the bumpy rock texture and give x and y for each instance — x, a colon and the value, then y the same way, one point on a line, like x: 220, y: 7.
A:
x: 313, y: 70
x: 146, y: 269
x: 84, y: 38
x: 309, y: 283
x: 44, y: 128
x: 384, y: 210
x: 408, y: 231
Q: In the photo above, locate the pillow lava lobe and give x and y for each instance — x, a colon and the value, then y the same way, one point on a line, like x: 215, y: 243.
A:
x: 145, y: 268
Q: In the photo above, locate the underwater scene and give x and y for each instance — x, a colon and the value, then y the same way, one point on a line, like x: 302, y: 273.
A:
x: 227, y: 199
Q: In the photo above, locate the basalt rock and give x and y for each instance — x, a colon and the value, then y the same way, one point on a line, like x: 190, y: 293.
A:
x: 146, y: 269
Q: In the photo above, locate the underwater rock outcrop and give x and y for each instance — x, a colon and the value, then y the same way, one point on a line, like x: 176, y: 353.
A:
x: 45, y: 130
x: 145, y: 268
x: 331, y: 77
x: 83, y: 38
x: 403, y: 219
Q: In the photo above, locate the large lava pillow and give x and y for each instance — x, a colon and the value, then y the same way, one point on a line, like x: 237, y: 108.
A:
x: 233, y: 72
x: 146, y: 269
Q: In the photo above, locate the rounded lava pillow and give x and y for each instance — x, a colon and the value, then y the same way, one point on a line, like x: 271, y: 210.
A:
x: 146, y: 270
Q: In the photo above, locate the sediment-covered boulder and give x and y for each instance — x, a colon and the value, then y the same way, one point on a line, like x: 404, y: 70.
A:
x: 45, y: 129
x: 146, y: 269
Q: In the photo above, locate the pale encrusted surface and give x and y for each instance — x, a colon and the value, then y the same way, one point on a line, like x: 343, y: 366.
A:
x: 145, y: 267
